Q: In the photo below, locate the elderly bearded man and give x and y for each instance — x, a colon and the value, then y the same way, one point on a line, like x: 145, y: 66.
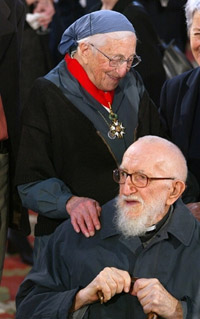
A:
x: 78, y: 122
x: 152, y: 236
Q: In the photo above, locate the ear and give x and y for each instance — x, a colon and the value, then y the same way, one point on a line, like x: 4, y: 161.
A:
x: 175, y: 191
x: 85, y: 52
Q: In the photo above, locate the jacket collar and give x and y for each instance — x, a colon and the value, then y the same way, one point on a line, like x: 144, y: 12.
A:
x: 70, y: 84
x: 188, y: 106
x: 181, y: 217
x: 193, y: 77
x: 192, y: 89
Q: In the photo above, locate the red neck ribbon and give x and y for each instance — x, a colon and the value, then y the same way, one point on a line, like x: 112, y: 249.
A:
x: 105, y: 98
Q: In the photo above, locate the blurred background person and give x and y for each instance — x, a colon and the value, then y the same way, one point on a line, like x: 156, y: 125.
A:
x: 180, y: 106
x: 66, y: 12
x: 168, y: 18
x: 35, y: 62
x: 36, y: 56
x: 12, y: 15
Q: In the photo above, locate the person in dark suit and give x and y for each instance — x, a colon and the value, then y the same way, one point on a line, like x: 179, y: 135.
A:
x: 37, y: 62
x: 33, y: 63
x: 168, y: 18
x: 180, y: 104
x: 148, y: 45
x: 66, y: 12
x: 12, y: 15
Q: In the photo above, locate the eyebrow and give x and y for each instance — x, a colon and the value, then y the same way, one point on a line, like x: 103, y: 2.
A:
x: 123, y: 57
x: 139, y: 171
x: 195, y: 29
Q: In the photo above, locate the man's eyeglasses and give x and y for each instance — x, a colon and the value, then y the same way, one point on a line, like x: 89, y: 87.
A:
x: 117, y: 61
x: 137, y: 179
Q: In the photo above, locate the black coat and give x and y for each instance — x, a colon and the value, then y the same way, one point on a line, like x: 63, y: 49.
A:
x: 12, y: 14
x: 69, y: 147
x: 148, y: 47
x: 179, y: 111
x: 168, y: 21
x: 71, y: 261
x: 11, y: 31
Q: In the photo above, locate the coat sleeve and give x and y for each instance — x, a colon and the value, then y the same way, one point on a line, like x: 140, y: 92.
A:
x: 40, y: 186
x: 48, y: 197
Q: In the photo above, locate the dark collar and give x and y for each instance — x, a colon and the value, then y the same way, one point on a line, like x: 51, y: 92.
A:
x: 182, y: 223
x: 150, y: 234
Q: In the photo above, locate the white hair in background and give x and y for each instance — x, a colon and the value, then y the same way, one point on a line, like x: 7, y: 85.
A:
x: 190, y: 8
x: 101, y: 39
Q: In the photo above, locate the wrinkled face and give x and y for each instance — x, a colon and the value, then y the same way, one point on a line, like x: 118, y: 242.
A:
x: 195, y: 37
x: 145, y: 205
x: 103, y: 76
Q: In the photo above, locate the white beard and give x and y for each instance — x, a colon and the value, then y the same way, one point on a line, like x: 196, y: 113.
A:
x: 131, y: 225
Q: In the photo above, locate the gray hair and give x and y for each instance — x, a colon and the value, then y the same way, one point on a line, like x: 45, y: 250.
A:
x: 178, y: 159
x: 101, y: 39
x: 190, y: 8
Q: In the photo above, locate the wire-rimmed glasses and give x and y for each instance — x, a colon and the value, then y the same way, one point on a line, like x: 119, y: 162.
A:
x: 117, y: 61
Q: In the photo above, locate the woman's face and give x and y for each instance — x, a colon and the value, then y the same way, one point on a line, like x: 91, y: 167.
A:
x: 195, y: 37
x: 98, y: 68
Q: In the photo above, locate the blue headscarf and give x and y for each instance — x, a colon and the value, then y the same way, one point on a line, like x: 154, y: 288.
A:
x: 102, y: 21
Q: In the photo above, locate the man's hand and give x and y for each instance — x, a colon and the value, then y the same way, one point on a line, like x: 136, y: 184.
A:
x: 110, y: 281
x: 84, y: 213
x: 155, y: 298
x: 46, y: 8
x: 195, y: 209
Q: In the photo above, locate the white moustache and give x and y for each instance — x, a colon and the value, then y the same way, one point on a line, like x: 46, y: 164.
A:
x: 131, y: 197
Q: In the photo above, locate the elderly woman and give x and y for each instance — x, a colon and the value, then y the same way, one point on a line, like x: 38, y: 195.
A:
x: 78, y: 122
x: 180, y: 105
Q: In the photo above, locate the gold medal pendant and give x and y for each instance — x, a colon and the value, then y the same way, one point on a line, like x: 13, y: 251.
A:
x: 116, y: 128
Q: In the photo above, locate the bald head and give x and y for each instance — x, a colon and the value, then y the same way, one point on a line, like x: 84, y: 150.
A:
x: 151, y: 177
x: 160, y: 155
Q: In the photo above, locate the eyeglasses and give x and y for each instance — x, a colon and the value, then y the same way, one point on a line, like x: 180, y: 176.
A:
x: 117, y: 61
x: 137, y: 179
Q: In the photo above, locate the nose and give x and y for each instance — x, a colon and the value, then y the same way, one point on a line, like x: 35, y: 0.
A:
x: 128, y: 187
x: 122, y: 69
